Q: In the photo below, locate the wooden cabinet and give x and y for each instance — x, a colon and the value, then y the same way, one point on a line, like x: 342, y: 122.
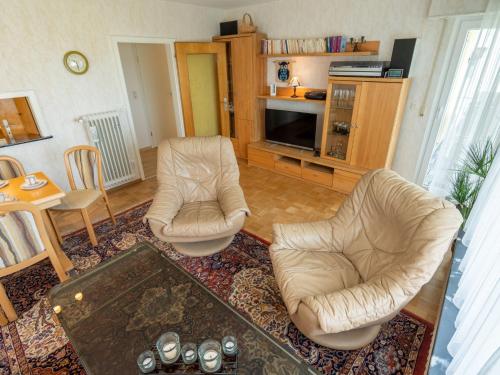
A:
x: 362, y: 120
x: 246, y: 72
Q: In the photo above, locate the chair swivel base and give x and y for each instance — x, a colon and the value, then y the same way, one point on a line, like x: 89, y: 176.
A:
x: 203, y: 248
x: 348, y: 340
x: 308, y: 324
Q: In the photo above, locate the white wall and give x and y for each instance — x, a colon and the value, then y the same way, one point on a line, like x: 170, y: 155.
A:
x: 382, y: 20
x: 135, y: 91
x: 34, y: 37
x: 153, y: 66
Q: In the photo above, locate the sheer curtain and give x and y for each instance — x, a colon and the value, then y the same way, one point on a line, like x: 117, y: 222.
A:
x: 475, y: 346
x: 472, y: 112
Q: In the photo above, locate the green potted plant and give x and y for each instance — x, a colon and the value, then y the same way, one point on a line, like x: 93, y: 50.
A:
x: 469, y: 177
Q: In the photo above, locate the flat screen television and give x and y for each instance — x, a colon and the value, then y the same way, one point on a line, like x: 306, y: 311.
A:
x: 291, y: 128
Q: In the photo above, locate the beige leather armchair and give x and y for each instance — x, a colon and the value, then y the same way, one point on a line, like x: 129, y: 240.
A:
x: 199, y: 205
x: 343, y: 277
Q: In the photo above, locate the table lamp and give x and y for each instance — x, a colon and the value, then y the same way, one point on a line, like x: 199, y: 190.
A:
x: 294, y: 82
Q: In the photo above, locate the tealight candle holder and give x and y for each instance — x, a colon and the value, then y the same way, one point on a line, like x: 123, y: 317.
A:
x: 210, y: 356
x: 146, y: 362
x: 169, y: 347
x: 230, y: 346
x: 189, y: 354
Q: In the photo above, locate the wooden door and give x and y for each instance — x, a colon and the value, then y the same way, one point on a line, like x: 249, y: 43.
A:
x: 377, y: 128
x: 204, y: 90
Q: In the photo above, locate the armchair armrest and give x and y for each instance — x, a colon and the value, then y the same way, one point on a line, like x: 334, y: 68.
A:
x: 166, y: 204
x: 312, y: 236
x: 361, y: 304
x: 232, y: 202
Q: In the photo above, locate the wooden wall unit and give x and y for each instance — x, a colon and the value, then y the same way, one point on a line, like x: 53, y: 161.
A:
x: 246, y: 74
x: 360, y: 130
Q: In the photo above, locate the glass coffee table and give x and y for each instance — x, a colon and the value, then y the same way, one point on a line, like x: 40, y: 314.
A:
x: 116, y: 311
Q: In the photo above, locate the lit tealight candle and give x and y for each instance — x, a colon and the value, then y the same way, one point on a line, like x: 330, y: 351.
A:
x: 210, y: 358
x: 148, y: 362
x: 57, y: 309
x: 79, y: 296
x: 169, y: 350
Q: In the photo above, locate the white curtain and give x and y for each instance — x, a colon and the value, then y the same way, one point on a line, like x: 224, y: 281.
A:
x: 475, y: 346
x: 472, y: 112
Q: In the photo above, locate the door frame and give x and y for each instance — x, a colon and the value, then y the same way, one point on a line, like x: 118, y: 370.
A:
x: 187, y: 48
x: 169, y: 44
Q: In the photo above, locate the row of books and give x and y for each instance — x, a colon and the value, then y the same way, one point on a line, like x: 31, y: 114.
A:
x: 299, y: 46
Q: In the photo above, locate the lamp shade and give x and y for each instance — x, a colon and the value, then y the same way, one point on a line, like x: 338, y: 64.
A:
x: 294, y: 82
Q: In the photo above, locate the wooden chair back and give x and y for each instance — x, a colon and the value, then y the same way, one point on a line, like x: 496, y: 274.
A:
x: 32, y: 240
x: 88, y: 162
x: 10, y: 168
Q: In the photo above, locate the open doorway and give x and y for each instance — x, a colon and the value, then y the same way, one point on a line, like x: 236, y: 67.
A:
x: 149, y: 86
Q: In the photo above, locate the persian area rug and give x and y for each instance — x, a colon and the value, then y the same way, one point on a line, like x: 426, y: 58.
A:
x: 242, y: 275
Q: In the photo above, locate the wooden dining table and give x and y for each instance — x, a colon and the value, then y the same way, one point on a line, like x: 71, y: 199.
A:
x: 44, y: 198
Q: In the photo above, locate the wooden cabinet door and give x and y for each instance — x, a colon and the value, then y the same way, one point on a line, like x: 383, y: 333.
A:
x: 243, y: 58
x: 376, y: 128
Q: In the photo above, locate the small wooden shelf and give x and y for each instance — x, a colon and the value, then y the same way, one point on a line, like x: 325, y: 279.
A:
x: 312, y: 54
x: 289, y: 98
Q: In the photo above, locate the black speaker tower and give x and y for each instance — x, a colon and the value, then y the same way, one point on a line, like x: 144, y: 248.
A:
x: 402, y: 54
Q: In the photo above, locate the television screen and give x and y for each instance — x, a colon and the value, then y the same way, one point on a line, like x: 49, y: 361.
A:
x: 291, y: 128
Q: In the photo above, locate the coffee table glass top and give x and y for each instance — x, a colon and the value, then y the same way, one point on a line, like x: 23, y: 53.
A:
x: 130, y: 300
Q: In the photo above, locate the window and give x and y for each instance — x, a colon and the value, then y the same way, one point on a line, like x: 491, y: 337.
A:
x: 466, y: 110
x: 18, y: 122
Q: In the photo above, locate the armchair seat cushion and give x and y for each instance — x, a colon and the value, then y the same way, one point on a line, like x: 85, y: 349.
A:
x: 198, y: 219
x: 78, y: 199
x: 301, y: 274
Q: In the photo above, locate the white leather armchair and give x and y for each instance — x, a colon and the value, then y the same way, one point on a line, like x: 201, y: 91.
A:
x: 343, y: 277
x: 199, y: 205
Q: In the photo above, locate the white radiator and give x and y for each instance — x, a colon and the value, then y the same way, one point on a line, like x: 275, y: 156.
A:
x: 107, y: 131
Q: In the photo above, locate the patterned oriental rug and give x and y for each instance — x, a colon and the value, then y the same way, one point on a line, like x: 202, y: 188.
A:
x: 242, y: 275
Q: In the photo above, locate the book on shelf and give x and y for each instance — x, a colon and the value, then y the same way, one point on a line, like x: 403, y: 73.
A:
x: 330, y: 44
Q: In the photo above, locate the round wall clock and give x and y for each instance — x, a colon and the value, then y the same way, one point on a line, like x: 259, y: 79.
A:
x: 76, y: 62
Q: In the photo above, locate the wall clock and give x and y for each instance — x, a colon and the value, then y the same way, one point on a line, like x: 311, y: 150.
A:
x: 76, y: 62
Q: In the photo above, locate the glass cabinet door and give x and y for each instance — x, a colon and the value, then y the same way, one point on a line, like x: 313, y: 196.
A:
x: 339, y: 125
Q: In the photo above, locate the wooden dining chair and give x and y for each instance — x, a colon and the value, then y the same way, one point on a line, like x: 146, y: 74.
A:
x: 10, y: 168
x: 88, y: 162
x: 23, y: 242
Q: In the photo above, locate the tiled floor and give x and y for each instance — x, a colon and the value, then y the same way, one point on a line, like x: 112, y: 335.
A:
x: 271, y: 198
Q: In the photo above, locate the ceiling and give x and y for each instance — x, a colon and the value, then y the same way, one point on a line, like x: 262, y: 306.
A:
x: 225, y: 4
